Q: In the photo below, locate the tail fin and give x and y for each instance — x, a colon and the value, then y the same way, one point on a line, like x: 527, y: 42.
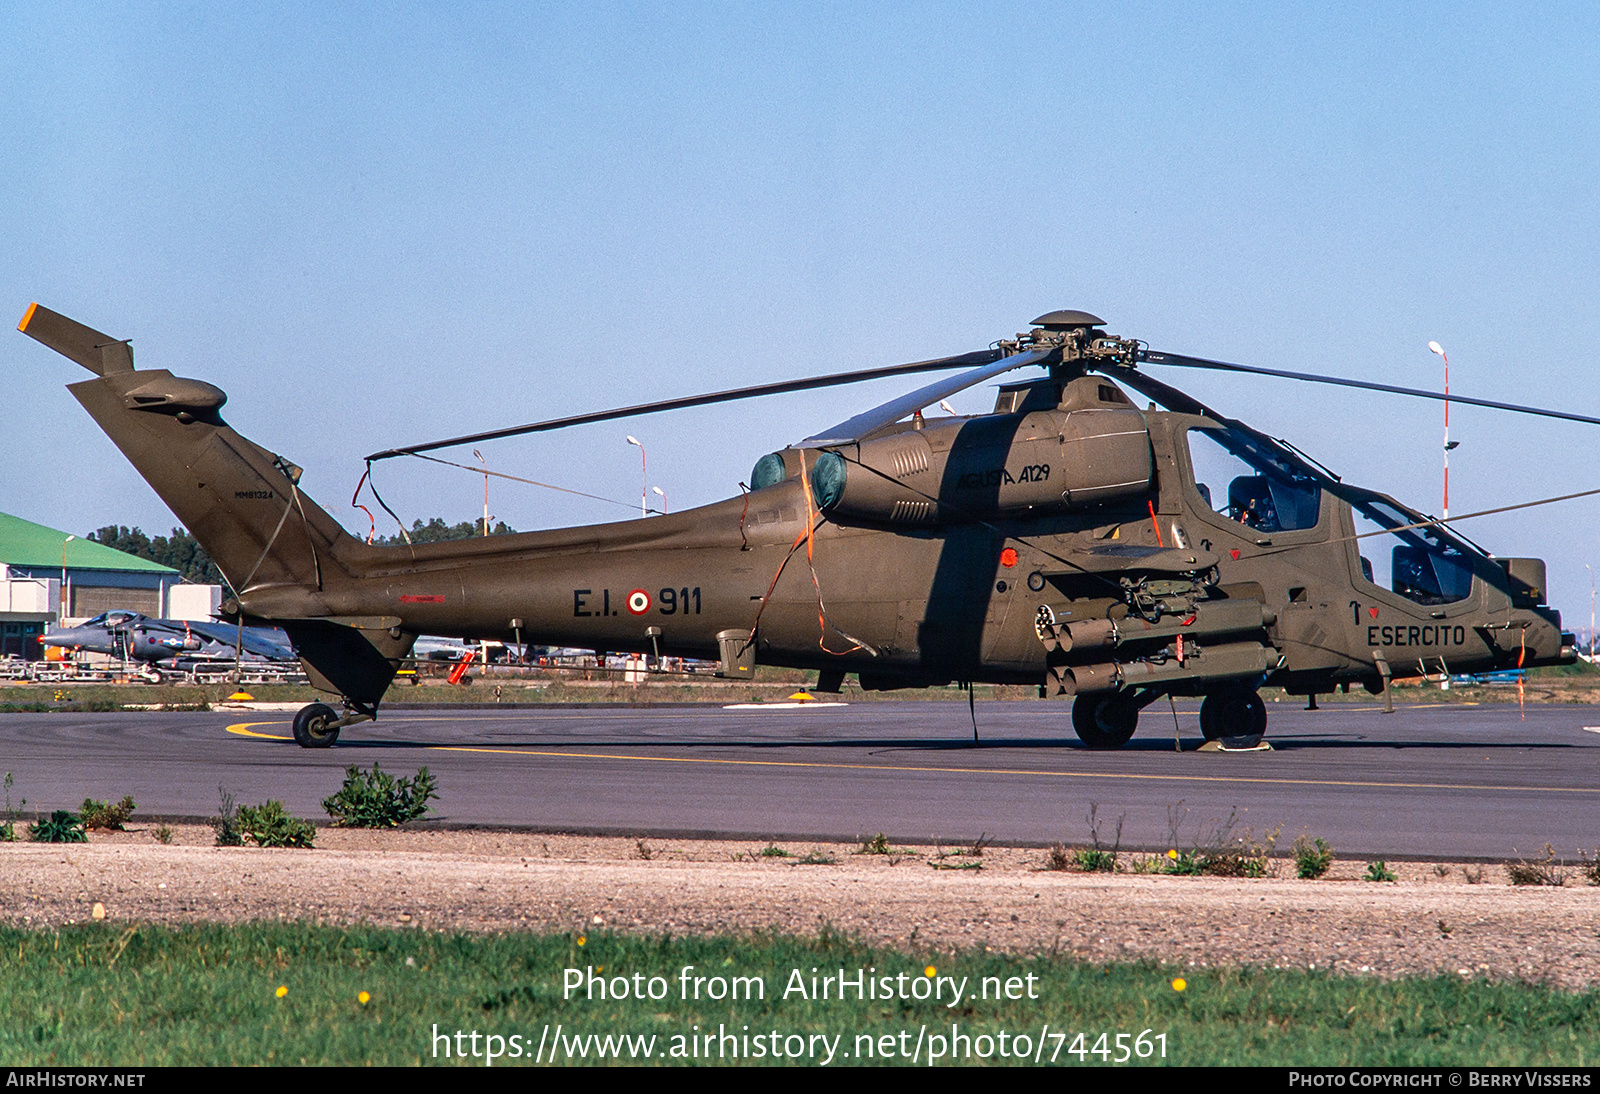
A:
x: 277, y: 548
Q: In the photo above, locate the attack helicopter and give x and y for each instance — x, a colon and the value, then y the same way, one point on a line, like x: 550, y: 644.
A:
x: 1068, y: 539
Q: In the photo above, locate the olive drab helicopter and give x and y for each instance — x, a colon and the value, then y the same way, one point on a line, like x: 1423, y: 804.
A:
x: 1107, y: 554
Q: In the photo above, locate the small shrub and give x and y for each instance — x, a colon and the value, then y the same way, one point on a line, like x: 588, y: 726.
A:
x: 1312, y: 857
x: 1473, y: 874
x: 877, y: 845
x: 1379, y: 871
x: 227, y: 822
x: 816, y: 857
x: 61, y: 827
x: 269, y: 826
x: 98, y: 816
x: 1058, y: 858
x: 163, y: 833
x: 376, y: 799
x: 1546, y: 871
x: 1441, y: 870
x: 646, y: 852
x: 1591, y: 868
x: 772, y: 850
x: 1145, y: 864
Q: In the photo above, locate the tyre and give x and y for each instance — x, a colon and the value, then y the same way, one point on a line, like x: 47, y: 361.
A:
x: 1104, y: 721
x: 1233, y: 712
x: 311, y: 726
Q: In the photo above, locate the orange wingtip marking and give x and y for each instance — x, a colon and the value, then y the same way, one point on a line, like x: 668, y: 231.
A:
x: 26, y: 319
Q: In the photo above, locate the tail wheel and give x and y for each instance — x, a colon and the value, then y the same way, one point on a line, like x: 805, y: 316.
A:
x: 311, y: 726
x: 1233, y: 712
x: 1104, y: 721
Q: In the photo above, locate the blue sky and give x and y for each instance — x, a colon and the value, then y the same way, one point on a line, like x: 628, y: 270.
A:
x: 374, y: 226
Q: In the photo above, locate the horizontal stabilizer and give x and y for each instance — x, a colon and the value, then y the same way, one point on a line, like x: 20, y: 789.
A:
x: 100, y: 353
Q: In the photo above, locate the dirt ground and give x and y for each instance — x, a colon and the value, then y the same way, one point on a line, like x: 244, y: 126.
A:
x: 1435, y: 918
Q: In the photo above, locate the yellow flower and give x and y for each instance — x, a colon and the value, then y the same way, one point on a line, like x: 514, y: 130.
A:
x: 282, y: 991
x: 1179, y: 984
x: 1172, y: 854
x: 363, y: 998
x: 581, y: 940
x: 929, y: 972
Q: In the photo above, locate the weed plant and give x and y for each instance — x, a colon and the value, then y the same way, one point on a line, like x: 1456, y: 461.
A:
x: 60, y: 827
x: 98, y: 816
x: 376, y: 799
x: 1312, y: 857
x: 8, y: 827
x: 1092, y: 860
x: 1222, y: 852
x: 1545, y: 871
x: 1379, y: 871
x: 227, y: 822
x: 876, y: 845
x: 269, y: 826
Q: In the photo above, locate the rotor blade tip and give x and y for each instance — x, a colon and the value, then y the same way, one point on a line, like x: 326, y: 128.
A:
x: 28, y: 317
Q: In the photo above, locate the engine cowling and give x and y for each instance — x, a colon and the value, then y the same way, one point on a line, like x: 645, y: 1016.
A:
x: 1093, y: 448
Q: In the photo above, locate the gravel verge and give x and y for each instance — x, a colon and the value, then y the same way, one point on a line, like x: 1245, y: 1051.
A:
x: 1432, y: 920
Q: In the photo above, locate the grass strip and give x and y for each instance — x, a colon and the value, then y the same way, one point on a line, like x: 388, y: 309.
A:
x: 118, y: 995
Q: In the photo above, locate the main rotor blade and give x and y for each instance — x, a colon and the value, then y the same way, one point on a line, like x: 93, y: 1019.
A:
x: 1153, y: 358
x: 963, y: 360
x: 853, y: 429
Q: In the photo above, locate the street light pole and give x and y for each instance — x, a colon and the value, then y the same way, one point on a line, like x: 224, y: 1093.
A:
x: 483, y: 646
x: 1591, y: 611
x: 1436, y: 348
x: 485, y: 463
x: 644, y: 493
x: 63, y: 617
x: 662, y: 495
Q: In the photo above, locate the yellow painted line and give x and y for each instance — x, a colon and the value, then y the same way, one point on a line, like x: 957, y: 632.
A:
x: 1009, y: 771
x: 243, y: 729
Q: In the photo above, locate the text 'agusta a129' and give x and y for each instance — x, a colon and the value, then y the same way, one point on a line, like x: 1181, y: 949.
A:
x: 1068, y: 539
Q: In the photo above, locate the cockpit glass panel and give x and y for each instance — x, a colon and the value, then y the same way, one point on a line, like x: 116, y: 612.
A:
x: 1245, y: 481
x: 1421, y: 564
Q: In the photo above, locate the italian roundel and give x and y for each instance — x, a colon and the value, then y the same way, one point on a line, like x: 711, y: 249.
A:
x: 638, y: 602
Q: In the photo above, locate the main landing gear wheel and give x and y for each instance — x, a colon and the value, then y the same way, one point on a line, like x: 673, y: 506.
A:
x: 1104, y: 721
x: 1233, y: 712
x: 311, y: 726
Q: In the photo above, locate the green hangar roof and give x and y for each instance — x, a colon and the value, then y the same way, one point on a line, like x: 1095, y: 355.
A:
x: 24, y: 543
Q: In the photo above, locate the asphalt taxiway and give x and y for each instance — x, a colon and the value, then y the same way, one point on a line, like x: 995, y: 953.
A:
x: 1445, y: 780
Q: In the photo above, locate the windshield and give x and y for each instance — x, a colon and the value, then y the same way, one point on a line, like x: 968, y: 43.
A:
x: 1246, y: 481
